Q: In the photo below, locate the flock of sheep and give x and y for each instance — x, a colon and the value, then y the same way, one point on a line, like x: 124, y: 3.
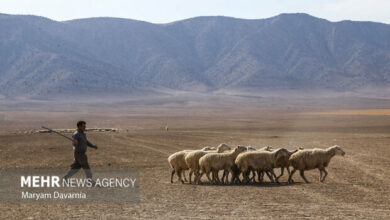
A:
x: 247, y: 161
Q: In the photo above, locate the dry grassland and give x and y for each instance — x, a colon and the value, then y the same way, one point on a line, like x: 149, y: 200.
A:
x: 357, y: 186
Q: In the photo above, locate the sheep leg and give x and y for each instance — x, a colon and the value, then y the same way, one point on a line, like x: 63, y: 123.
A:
x: 184, y: 175
x: 254, y: 173
x: 196, y: 174
x: 270, y: 177
x: 235, y: 178
x: 208, y: 177
x: 250, y: 178
x: 320, y: 169
x: 179, y: 172
x: 199, y: 177
x: 302, y: 173
x: 326, y: 173
x: 281, y: 174
x: 172, y: 173
x: 273, y: 174
x: 219, y: 180
x: 212, y: 177
x: 190, y: 175
x: 248, y: 173
x: 260, y: 176
x: 245, y: 174
x: 224, y: 174
x: 227, y: 177
x: 253, y: 176
x: 290, y: 180
x: 269, y: 174
x: 215, y: 177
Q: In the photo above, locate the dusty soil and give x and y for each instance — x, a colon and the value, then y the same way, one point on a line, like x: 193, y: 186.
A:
x: 357, y: 185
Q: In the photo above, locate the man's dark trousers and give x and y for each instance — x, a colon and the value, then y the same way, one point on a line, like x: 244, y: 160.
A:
x: 80, y: 161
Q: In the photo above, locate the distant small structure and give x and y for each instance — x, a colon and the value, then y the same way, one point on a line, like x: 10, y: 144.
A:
x: 71, y: 130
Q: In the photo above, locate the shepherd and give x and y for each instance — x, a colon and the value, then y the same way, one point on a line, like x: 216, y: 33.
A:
x: 80, y: 143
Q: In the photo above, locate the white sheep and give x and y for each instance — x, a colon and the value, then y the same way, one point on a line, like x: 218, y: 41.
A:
x: 236, y: 172
x: 178, y: 164
x: 260, y: 174
x: 214, y: 162
x: 192, y: 159
x: 313, y: 158
x: 282, y: 162
x: 258, y: 161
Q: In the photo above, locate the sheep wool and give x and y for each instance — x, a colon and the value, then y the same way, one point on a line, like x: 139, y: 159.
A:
x: 259, y: 161
x: 311, y: 159
x: 192, y: 159
x: 214, y: 162
x: 283, y: 162
x: 178, y: 164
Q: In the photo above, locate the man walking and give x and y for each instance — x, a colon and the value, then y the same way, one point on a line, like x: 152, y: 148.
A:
x: 80, y: 144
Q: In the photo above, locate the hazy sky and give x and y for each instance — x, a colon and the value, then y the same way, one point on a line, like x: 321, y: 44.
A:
x: 164, y: 11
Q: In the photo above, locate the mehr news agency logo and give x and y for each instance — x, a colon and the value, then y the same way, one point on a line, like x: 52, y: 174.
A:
x: 34, y: 182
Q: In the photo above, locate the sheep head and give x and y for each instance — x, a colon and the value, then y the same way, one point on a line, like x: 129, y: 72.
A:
x: 250, y: 148
x: 240, y: 149
x: 296, y: 150
x: 337, y: 150
x: 223, y: 147
x: 207, y: 148
x: 268, y: 148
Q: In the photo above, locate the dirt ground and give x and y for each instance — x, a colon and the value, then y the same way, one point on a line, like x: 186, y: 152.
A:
x: 357, y: 185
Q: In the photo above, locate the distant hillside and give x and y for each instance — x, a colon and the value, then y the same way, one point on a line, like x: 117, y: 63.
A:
x: 39, y: 56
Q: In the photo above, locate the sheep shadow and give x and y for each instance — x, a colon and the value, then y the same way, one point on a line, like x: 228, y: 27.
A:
x: 265, y: 184
x: 269, y: 184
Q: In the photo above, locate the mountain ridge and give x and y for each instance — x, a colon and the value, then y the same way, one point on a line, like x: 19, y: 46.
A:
x: 40, y: 56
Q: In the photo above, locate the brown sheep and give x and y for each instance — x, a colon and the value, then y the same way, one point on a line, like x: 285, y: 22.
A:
x: 283, y: 162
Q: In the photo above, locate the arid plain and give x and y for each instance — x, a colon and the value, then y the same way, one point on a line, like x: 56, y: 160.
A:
x: 357, y: 185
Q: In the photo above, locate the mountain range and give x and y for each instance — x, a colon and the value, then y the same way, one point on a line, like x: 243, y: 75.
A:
x: 41, y: 57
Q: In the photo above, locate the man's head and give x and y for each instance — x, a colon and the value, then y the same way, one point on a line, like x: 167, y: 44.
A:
x: 81, y: 125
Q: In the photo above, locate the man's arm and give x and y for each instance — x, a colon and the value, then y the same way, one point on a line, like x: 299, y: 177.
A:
x: 89, y: 144
x: 75, y: 139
